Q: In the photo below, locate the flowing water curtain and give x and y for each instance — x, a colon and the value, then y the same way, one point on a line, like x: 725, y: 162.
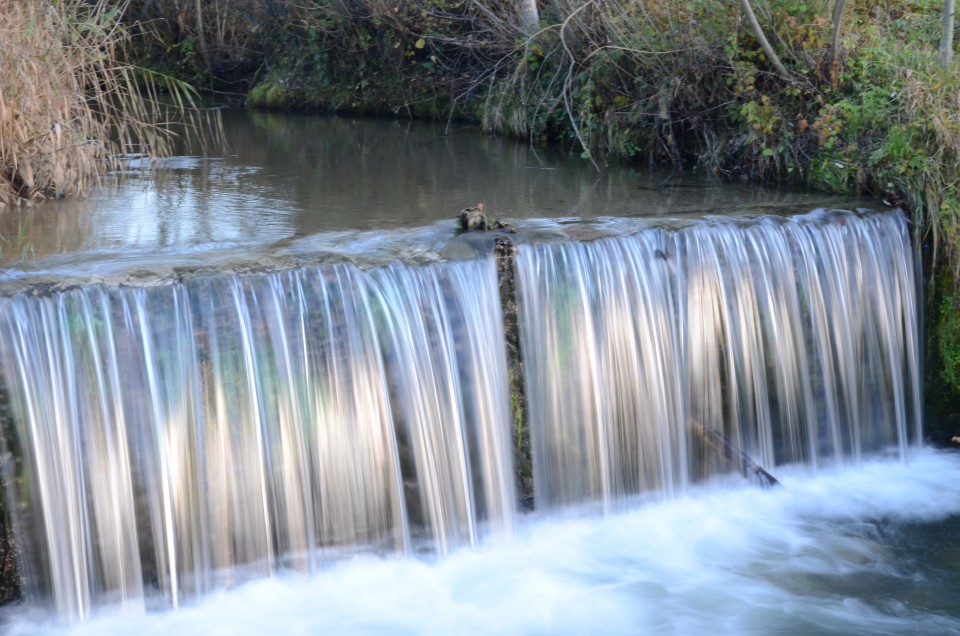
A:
x: 741, y: 319
x: 794, y: 337
x: 443, y: 340
x: 802, y: 334
x: 177, y: 438
x: 301, y: 351
x: 602, y: 368
x: 47, y: 341
x: 182, y: 437
x: 864, y: 331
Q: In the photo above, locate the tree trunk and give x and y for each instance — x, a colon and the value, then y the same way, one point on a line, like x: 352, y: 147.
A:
x: 946, y: 42
x: 838, y: 6
x: 529, y: 16
x: 202, y: 38
x: 764, y: 43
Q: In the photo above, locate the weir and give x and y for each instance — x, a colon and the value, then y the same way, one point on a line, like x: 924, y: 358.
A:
x: 174, y: 439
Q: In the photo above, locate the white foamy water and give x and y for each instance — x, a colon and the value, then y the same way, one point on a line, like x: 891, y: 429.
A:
x: 853, y: 551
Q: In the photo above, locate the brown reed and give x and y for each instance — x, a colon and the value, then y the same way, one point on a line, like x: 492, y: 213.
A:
x: 70, y: 107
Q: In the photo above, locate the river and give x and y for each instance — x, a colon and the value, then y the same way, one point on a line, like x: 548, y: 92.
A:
x: 263, y: 390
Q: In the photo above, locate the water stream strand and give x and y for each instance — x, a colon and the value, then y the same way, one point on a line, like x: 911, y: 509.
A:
x: 793, y: 336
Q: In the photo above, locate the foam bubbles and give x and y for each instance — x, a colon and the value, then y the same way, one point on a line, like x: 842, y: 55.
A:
x: 836, y: 552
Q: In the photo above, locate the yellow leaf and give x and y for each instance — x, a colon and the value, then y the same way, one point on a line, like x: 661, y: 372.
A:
x: 420, y: 43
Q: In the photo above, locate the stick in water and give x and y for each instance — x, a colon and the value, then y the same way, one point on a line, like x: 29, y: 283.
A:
x: 732, y: 454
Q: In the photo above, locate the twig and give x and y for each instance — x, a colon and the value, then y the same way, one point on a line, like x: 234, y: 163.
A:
x: 764, y: 43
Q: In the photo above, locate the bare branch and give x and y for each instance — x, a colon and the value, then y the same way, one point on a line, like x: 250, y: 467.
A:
x: 764, y: 43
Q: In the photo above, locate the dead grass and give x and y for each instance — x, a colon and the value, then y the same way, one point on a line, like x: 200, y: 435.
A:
x: 69, y: 106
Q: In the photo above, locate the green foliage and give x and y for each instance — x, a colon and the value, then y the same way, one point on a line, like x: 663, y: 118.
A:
x: 948, y: 341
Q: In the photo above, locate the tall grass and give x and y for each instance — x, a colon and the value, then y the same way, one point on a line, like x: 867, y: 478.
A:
x: 70, y: 107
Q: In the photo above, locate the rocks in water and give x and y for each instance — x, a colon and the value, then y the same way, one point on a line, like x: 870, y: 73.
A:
x: 472, y: 218
x: 475, y: 219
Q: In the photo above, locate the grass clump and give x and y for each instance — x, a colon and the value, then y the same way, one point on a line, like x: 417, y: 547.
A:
x: 70, y: 107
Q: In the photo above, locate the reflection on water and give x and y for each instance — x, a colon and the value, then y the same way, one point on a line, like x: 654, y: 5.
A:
x: 284, y: 177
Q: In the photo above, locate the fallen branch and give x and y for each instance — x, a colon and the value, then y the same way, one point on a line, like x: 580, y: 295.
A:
x: 732, y: 454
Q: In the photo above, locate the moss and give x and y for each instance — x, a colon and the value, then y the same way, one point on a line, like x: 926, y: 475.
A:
x: 948, y: 342
x: 11, y: 578
x: 11, y: 584
x: 942, y: 379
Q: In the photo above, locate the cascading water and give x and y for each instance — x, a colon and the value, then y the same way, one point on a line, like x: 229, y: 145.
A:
x: 178, y: 438
x: 173, y: 437
x: 794, y: 337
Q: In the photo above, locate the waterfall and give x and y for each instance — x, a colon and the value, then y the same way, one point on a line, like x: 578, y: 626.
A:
x: 795, y: 337
x: 173, y: 439
x: 176, y: 438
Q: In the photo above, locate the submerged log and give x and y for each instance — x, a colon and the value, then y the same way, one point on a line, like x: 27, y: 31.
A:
x: 732, y: 454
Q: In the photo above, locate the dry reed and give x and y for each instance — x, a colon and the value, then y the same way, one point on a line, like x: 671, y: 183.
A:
x: 69, y: 106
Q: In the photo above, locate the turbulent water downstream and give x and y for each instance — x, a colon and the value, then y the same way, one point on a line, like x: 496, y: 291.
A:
x: 323, y: 443
x: 866, y: 550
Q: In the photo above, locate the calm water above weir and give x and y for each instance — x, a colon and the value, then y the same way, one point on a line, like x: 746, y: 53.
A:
x: 269, y: 393
x: 289, y: 188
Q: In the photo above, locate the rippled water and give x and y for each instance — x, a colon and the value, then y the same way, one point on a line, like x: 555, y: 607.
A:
x: 864, y: 551
x: 287, y: 188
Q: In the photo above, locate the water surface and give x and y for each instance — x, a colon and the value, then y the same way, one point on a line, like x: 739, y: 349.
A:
x: 287, y: 188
